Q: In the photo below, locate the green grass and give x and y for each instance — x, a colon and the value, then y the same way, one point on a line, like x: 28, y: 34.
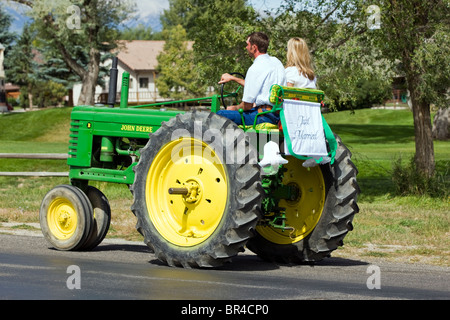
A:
x: 409, y: 228
x: 418, y: 226
x: 376, y: 138
x: 43, y: 131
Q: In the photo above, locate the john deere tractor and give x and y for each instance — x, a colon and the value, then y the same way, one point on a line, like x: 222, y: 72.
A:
x: 204, y: 188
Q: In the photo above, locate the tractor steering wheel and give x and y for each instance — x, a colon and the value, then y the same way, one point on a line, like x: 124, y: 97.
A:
x: 224, y: 93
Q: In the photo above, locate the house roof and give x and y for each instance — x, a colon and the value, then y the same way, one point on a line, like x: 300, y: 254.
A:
x: 9, y: 87
x: 141, y: 54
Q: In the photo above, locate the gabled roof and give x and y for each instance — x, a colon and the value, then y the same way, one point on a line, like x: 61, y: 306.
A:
x: 141, y: 54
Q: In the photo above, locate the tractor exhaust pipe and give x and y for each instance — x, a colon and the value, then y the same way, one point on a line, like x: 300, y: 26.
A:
x: 112, y: 92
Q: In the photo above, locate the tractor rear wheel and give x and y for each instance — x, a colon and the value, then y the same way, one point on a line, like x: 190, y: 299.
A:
x: 66, y: 217
x: 320, y: 216
x: 196, y: 206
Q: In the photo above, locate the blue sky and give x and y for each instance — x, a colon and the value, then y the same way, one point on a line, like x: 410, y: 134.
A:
x: 148, y: 11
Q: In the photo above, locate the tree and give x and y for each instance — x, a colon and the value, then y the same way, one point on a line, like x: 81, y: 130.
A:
x: 6, y: 40
x: 416, y: 34
x: 6, y: 37
x: 21, y: 67
x: 173, y: 62
x: 183, y: 13
x: 218, y: 29
x: 433, y: 58
x: 90, y: 25
x: 349, y: 68
x: 353, y: 40
x: 55, y: 69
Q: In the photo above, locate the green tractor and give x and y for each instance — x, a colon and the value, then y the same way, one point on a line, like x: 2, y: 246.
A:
x: 201, y: 193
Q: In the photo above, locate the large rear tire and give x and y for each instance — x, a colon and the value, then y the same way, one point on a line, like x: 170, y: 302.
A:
x: 196, y: 206
x: 320, y: 217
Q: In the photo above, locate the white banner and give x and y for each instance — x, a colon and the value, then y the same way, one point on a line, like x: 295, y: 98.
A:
x: 305, y: 128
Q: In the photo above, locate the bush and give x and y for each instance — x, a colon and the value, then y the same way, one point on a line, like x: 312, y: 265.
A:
x: 362, y: 94
x: 45, y: 94
x: 409, y: 181
x: 13, y: 102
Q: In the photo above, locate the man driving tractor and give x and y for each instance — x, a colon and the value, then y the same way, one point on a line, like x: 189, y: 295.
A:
x: 263, y: 73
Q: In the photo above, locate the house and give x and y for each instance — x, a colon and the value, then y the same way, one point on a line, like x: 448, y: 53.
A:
x: 139, y: 59
x: 12, y: 90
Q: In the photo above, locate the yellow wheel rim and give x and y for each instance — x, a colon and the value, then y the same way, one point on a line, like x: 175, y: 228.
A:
x: 191, y: 218
x: 303, y: 213
x: 62, y: 218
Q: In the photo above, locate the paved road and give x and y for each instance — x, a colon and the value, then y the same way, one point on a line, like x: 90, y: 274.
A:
x: 127, y: 270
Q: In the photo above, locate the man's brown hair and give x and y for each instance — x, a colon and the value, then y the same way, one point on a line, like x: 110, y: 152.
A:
x: 260, y: 39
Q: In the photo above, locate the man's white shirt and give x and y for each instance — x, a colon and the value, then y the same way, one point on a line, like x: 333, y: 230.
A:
x: 263, y: 73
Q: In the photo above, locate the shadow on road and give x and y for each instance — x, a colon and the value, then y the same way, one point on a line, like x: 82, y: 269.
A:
x: 246, y: 261
x: 122, y: 247
x: 340, y: 262
x: 251, y: 262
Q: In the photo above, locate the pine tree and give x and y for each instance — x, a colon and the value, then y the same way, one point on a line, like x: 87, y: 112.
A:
x: 6, y: 37
x: 21, y: 67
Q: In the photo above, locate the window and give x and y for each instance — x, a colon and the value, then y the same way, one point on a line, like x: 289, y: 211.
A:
x: 143, y: 83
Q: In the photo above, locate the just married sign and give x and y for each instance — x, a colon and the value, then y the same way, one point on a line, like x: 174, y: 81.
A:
x: 305, y: 129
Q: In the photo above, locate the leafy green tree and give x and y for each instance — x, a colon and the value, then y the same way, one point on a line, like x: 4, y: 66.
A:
x: 88, y: 24
x: 44, y: 93
x: 354, y: 40
x: 218, y: 29
x: 346, y: 61
x: 55, y: 69
x: 416, y: 34
x: 182, y: 12
x: 173, y: 62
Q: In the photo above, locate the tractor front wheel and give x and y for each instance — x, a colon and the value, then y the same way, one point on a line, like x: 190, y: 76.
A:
x: 102, y: 217
x: 66, y: 217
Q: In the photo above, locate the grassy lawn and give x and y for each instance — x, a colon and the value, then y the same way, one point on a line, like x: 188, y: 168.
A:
x: 406, y: 228
x: 401, y: 228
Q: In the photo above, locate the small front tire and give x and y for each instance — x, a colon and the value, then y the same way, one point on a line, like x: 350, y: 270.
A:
x: 66, y: 217
x: 102, y: 217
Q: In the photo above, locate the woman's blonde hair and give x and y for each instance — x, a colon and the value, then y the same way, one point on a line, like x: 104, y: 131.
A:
x: 298, y: 56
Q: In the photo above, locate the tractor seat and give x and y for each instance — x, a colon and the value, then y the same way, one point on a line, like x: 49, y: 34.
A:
x: 266, y: 126
x: 277, y: 95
